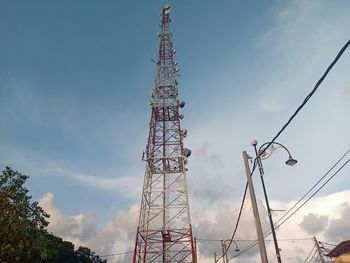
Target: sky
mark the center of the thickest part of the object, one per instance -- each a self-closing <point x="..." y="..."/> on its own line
<point x="75" y="85"/>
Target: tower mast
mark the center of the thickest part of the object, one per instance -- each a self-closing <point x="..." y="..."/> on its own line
<point x="164" y="232"/>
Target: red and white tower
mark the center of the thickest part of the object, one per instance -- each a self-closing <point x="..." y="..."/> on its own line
<point x="164" y="232"/>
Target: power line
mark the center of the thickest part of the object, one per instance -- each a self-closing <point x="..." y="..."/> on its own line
<point x="314" y="193"/>
<point x="315" y="254"/>
<point x="246" y="249"/>
<point x="276" y="227"/>
<point x="340" y="53"/>
<point x="312" y="250"/>
<point x="248" y="240"/>
<point x="237" y="221"/>
<point x="322" y="242"/>
<point x="308" y="96"/>
<point x="117" y="254"/>
<point x="240" y="212"/>
<point x="312" y="187"/>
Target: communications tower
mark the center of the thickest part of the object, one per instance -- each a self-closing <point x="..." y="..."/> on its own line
<point x="164" y="232"/>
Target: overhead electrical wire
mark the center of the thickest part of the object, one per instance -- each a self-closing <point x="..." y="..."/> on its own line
<point x="314" y="193"/>
<point x="200" y="240"/>
<point x="315" y="254"/>
<point x="290" y="209"/>
<point x="308" y="256"/>
<point x="246" y="249"/>
<point x="117" y="254"/>
<point x="340" y="53"/>
<point x="312" y="250"/>
<point x="262" y="152"/>
<point x="240" y="212"/>
<point x="237" y="222"/>
<point x="329" y="244"/>
<point x="300" y="206"/>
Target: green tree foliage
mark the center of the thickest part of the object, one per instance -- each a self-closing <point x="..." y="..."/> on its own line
<point x="85" y="255"/>
<point x="23" y="235"/>
<point x="58" y="251"/>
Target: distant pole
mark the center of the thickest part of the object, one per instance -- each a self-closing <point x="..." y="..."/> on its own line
<point x="319" y="250"/>
<point x="195" y="250"/>
<point x="259" y="232"/>
<point x="223" y="251"/>
<point x="226" y="250"/>
<point x="215" y="260"/>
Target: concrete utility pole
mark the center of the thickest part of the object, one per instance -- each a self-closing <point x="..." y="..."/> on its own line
<point x="319" y="250"/>
<point x="259" y="232"/>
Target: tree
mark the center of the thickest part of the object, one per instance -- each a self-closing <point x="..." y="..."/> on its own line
<point x="23" y="234"/>
<point x="58" y="250"/>
<point x="22" y="231"/>
<point x="85" y="255"/>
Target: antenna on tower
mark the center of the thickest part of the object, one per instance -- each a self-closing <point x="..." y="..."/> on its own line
<point x="166" y="9"/>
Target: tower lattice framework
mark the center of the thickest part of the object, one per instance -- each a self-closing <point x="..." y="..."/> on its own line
<point x="164" y="232"/>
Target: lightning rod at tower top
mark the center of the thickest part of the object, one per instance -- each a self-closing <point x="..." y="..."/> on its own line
<point x="164" y="231"/>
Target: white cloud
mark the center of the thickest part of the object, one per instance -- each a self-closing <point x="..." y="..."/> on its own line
<point x="298" y="48"/>
<point x="118" y="234"/>
<point x="124" y="182"/>
<point x="82" y="229"/>
<point x="313" y="224"/>
<point x="79" y="228"/>
<point x="331" y="206"/>
<point x="339" y="227"/>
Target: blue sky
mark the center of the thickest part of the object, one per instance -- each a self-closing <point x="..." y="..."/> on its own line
<point x="76" y="77"/>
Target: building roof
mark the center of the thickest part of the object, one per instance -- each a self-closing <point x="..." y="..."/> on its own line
<point x="342" y="259"/>
<point x="341" y="248"/>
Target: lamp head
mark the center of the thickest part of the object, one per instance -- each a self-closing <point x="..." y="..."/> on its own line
<point x="254" y="142"/>
<point x="291" y="161"/>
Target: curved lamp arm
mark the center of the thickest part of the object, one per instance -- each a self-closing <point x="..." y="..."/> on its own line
<point x="266" y="153"/>
<point x="231" y="240"/>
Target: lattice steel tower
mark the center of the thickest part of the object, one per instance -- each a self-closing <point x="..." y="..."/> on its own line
<point x="164" y="232"/>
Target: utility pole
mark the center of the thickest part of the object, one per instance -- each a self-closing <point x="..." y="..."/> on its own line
<point x="226" y="250"/>
<point x="195" y="250"/>
<point x="223" y="251"/>
<point x="259" y="232"/>
<point x="261" y="171"/>
<point x="319" y="250"/>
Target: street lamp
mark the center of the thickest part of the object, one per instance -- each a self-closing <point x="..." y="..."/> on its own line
<point x="263" y="154"/>
<point x="224" y="249"/>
